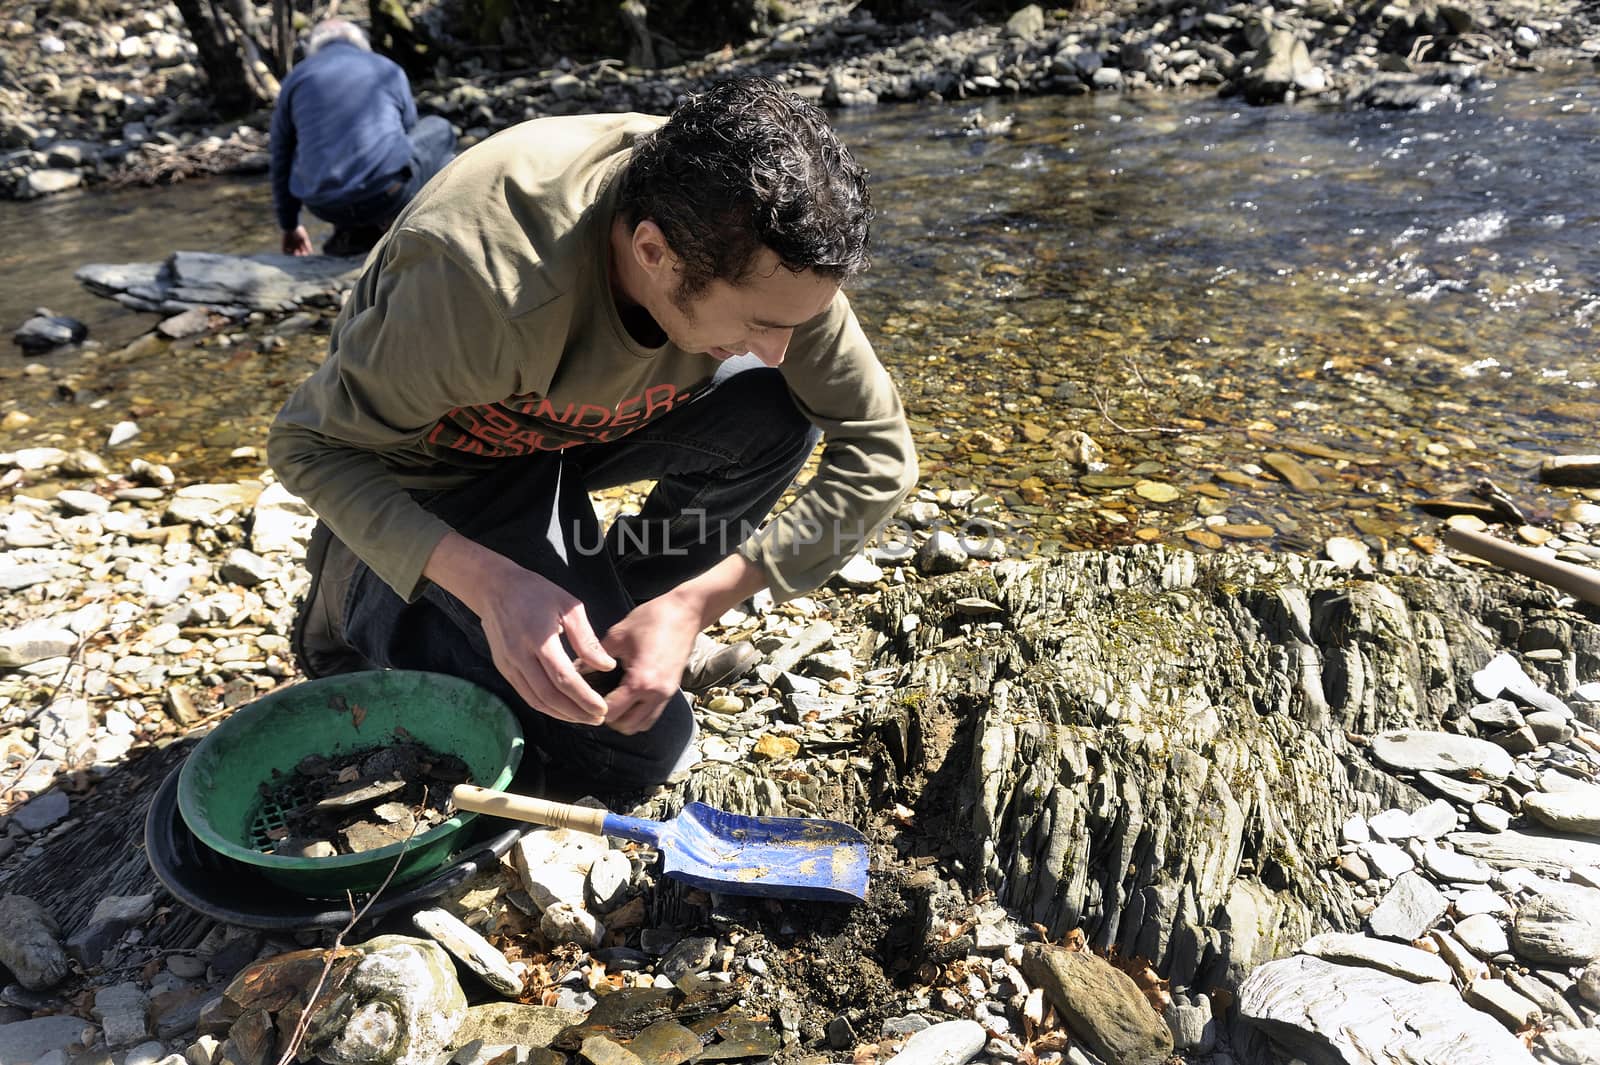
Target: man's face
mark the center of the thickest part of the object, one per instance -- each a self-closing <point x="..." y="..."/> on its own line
<point x="759" y="315"/>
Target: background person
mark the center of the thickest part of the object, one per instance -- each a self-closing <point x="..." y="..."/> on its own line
<point x="347" y="144"/>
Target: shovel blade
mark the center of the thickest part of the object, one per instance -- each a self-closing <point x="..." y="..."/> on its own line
<point x="775" y="857"/>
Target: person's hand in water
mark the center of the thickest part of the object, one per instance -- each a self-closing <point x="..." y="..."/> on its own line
<point x="296" y="241"/>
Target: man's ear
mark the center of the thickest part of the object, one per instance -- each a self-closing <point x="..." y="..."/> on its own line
<point x="651" y="251"/>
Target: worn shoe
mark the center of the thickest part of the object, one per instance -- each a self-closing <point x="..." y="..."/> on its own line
<point x="317" y="636"/>
<point x="711" y="663"/>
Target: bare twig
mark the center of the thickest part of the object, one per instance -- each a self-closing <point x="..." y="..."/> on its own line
<point x="1105" y="413"/>
<point x="1138" y="375"/>
<point x="303" y="1024"/>
<point x="66" y="675"/>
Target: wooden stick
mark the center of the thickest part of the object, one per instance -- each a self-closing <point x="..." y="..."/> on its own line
<point x="1582" y="582"/>
<point x="527" y="808"/>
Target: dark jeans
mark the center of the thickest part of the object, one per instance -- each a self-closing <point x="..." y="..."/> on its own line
<point x="433" y="145"/>
<point x="720" y="463"/>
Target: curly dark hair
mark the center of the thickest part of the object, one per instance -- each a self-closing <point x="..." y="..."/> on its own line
<point x="743" y="166"/>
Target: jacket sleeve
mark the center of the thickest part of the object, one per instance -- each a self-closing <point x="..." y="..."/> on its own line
<point x="419" y="338"/>
<point x="868" y="464"/>
<point x="407" y="102"/>
<point x="281" y="161"/>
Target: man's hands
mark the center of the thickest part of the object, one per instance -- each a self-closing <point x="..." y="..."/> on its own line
<point x="524" y="617"/>
<point x="653" y="642"/>
<point x="296" y="241"/>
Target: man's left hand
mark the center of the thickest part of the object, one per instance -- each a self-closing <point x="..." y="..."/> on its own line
<point x="653" y="644"/>
<point x="296" y="241"/>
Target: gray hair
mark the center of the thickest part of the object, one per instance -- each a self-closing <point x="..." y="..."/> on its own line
<point x="335" y="29"/>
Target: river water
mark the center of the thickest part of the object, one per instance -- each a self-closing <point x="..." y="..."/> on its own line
<point x="1399" y="303"/>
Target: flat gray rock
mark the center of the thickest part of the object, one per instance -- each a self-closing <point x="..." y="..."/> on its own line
<point x="1543" y="853"/>
<point x="1449" y="866"/>
<point x="1574" y="810"/>
<point x="1396" y="959"/>
<point x="1461" y="791"/>
<point x="42" y="811"/>
<point x="1560" y="927"/>
<point x="1483" y="934"/>
<point x="34" y="642"/>
<point x="1499" y="1000"/>
<point x="1411" y="907"/>
<point x="30" y="943"/>
<point x="1577" y="1047"/>
<point x="948" y="1043"/>
<point x="470" y="948"/>
<point x="1504" y="675"/>
<point x="1414" y="750"/>
<point x="191" y="279"/>
<point x="25" y="1042"/>
<point x="1355" y="1016"/>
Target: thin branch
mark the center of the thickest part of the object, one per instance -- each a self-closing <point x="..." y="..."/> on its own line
<point x="1105" y="413"/>
<point x="303" y="1024"/>
<point x="30" y="716"/>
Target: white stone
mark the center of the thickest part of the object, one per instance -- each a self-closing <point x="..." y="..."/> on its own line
<point x="1482" y="934"/>
<point x="1408" y="910"/>
<point x="946" y="1043"/>
<point x="34" y="642"/>
<point x="1356" y="1016"/>
<point x="1475" y="902"/>
<point x="1396" y="958"/>
<point x="1573" y="810"/>
<point x="1504" y="675"/>
<point x="860" y="572"/>
<point x="609" y="877"/>
<point x="1355" y="829"/>
<point x="121" y="433"/>
<point x="1388" y="860"/>
<point x="76" y="501"/>
<point x="565" y="923"/>
<point x="1391" y="825"/>
<point x="1447" y="865"/>
<point x="282" y="522"/>
<point x="554" y="863"/>
<point x="1496" y="998"/>
<point x="1433" y="820"/>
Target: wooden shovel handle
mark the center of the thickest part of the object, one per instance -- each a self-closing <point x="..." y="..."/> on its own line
<point x="527" y="808"/>
<point x="1580" y="582"/>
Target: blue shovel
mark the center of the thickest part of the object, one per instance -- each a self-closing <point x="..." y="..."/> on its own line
<point x="734" y="854"/>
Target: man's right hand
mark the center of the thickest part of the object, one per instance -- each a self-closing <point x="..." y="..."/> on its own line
<point x="296" y="241"/>
<point x="524" y="618"/>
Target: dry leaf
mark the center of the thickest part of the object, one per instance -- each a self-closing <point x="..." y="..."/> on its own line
<point x="777" y="747"/>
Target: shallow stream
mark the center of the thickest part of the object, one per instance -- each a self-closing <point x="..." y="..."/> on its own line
<point x="1399" y="303"/>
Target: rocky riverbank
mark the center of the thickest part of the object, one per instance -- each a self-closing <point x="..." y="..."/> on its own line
<point x="119" y="97"/>
<point x="1188" y="765"/>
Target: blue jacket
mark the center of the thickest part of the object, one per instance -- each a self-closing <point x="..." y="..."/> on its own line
<point x="339" y="130"/>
